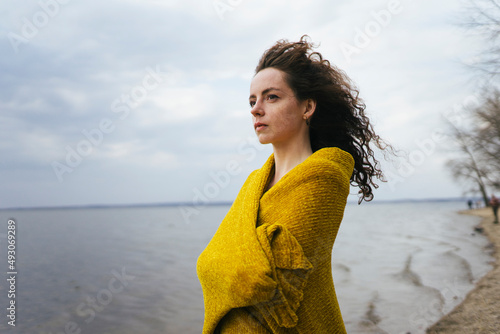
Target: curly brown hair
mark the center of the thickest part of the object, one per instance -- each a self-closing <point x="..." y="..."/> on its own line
<point x="339" y="119"/>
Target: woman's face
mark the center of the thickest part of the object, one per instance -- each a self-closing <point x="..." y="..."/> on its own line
<point x="277" y="115"/>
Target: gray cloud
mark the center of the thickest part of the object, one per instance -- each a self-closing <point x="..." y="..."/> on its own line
<point x="75" y="71"/>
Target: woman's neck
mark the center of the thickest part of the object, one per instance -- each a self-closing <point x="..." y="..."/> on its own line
<point x="287" y="157"/>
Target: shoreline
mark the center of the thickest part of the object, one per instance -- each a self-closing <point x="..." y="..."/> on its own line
<point x="479" y="312"/>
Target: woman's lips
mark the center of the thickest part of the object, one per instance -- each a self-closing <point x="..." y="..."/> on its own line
<point x="259" y="126"/>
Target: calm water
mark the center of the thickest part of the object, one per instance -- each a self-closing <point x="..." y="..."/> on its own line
<point x="398" y="268"/>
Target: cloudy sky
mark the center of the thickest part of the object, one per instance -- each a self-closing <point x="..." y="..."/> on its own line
<point x="114" y="102"/>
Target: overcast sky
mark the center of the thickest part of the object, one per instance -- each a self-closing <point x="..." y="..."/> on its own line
<point x="114" y="102"/>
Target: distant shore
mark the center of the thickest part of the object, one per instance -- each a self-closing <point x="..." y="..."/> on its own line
<point x="479" y="313"/>
<point x="197" y="202"/>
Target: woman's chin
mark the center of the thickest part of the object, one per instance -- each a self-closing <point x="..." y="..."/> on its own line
<point x="263" y="140"/>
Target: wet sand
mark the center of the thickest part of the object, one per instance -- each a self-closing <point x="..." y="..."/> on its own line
<point x="480" y="311"/>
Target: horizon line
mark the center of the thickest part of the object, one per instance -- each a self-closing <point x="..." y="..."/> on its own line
<point x="217" y="203"/>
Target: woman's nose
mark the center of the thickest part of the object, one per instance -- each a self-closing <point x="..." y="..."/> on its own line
<point x="257" y="109"/>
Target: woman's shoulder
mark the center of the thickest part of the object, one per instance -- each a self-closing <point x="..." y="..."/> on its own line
<point x="257" y="176"/>
<point x="330" y="160"/>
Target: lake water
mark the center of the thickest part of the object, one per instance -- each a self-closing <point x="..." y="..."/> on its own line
<point x="398" y="267"/>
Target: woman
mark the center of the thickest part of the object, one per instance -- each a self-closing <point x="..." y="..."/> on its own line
<point x="267" y="269"/>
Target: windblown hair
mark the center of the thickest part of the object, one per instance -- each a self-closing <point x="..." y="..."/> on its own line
<point x="339" y="119"/>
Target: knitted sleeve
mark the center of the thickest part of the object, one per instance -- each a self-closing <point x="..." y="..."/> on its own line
<point x="290" y="270"/>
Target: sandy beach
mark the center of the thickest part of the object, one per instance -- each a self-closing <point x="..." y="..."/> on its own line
<point x="479" y="313"/>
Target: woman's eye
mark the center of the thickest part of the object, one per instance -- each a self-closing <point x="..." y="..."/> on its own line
<point x="252" y="103"/>
<point x="272" y="97"/>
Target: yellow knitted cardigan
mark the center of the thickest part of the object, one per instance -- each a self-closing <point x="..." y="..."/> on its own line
<point x="267" y="269"/>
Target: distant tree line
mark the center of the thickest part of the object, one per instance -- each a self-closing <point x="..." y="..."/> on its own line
<point x="475" y="135"/>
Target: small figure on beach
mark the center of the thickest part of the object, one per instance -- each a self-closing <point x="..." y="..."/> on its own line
<point x="495" y="203"/>
<point x="470" y="203"/>
<point x="268" y="267"/>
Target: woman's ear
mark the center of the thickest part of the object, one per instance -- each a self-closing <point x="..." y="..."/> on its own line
<point x="310" y="108"/>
